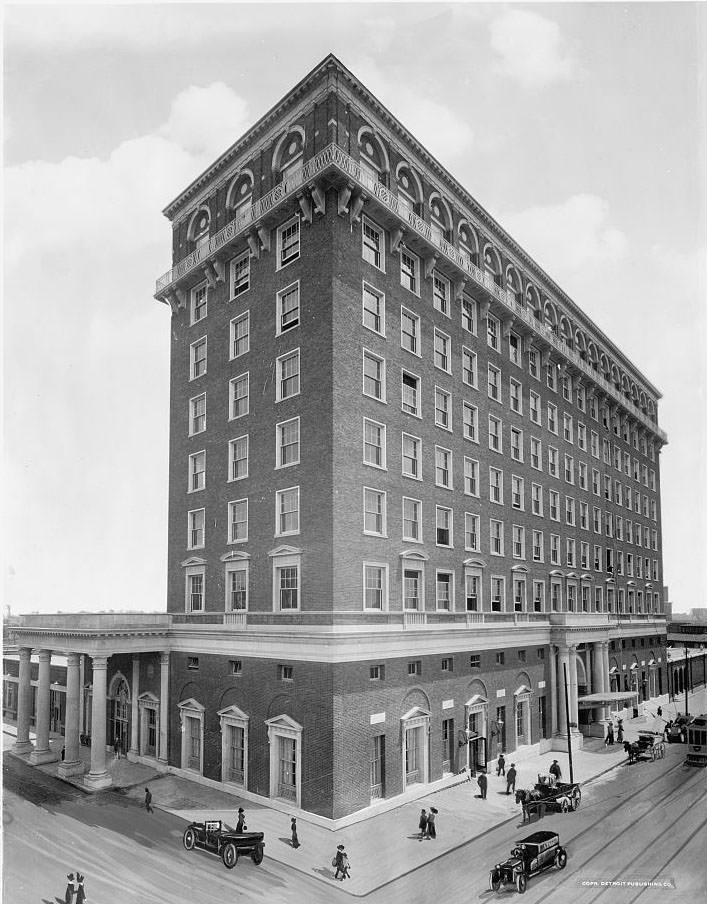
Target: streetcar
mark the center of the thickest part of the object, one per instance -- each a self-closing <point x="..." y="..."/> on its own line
<point x="697" y="742"/>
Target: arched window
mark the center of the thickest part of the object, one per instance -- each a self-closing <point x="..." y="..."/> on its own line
<point x="239" y="199"/>
<point x="532" y="299"/>
<point x="468" y="243"/>
<point x="372" y="157"/>
<point x="440" y="219"/>
<point x="566" y="331"/>
<point x="580" y="343"/>
<point x="409" y="190"/>
<point x="550" y="317"/>
<point x="492" y="264"/>
<point x="288" y="154"/>
<point x="199" y="228"/>
<point x="513" y="285"/>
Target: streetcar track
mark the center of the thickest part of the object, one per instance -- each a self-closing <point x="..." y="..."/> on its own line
<point x="670" y="859"/>
<point x="664" y="831"/>
<point x="674" y="791"/>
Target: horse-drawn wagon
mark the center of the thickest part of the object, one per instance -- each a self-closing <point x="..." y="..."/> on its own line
<point x="547" y="794"/>
<point x="649" y="746"/>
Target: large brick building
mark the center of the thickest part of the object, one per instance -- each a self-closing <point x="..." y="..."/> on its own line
<point x="411" y="483"/>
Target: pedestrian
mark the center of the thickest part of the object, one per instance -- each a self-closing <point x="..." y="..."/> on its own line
<point x="422" y="824"/>
<point x="63" y="753"/>
<point x="116" y="748"/>
<point x="148" y="801"/>
<point x="511" y="779"/>
<point x="482" y="782"/>
<point x="240" y="825"/>
<point x="340" y="861"/>
<point x="501" y="765"/>
<point x="555" y="770"/>
<point x="80" y="891"/>
<point x="345" y="866"/>
<point x="293" y="827"/>
<point x="620" y="731"/>
<point x="431" y="825"/>
<point x="70" y="888"/>
<point x="660" y="711"/>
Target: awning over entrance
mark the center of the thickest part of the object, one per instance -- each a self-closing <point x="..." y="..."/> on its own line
<point x="606" y="698"/>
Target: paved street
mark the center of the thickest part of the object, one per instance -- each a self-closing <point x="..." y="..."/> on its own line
<point x="645" y="821"/>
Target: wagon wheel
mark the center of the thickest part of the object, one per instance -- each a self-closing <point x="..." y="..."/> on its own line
<point x="230" y="855"/>
<point x="189" y="839"/>
<point x="494" y="880"/>
<point x="521" y="883"/>
<point x="561" y="859"/>
<point x="257" y="856"/>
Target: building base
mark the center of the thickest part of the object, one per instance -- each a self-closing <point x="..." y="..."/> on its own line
<point x="22" y="747"/>
<point x="97" y="781"/>
<point x="67" y="770"/>
<point x="559" y="742"/>
<point x="39" y="757"/>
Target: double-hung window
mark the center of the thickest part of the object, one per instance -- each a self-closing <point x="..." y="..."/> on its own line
<point x="471" y="476"/>
<point x="375" y="587"/>
<point x="496" y="485"/>
<point x="443" y="351"/>
<point x="552" y="417"/>
<point x="197" y="471"/>
<point x="238" y="458"/>
<point x="373" y="249"/>
<point x="493" y="332"/>
<point x="197" y="414"/>
<point x="444" y="526"/>
<point x="409" y="270"/>
<point x="516" y="396"/>
<point x="534" y="401"/>
<point x="288" y="308"/>
<point x="495" y="434"/>
<point x="374" y="443"/>
<point x="516" y="444"/>
<point x="471" y="532"/>
<point x="412" y="524"/>
<point x="440" y="293"/>
<point x="538" y="546"/>
<point x="373" y="376"/>
<point x="536" y="453"/>
<point x="536" y="494"/>
<point x="240" y="335"/>
<point x="197" y="358"/>
<point x="410" y="394"/>
<point x="469" y="368"/>
<point x="287" y="434"/>
<point x="443" y="468"/>
<point x="373" y="309"/>
<point x="198" y="303"/>
<point x="238" y="521"/>
<point x="374" y="512"/>
<point x="470" y="416"/>
<point x="409" y="331"/>
<point x="494" y="383"/>
<point x="288" y="375"/>
<point x="240" y="274"/>
<point x="518" y="541"/>
<point x="443" y="408"/>
<point x="412" y="456"/>
<point x="287" y="511"/>
<point x="469" y="315"/>
<point x="518" y="492"/>
<point x="496" y="536"/>
<point x="239" y="396"/>
<point x="288" y="236"/>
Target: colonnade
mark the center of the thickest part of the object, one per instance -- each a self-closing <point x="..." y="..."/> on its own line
<point x="98" y="775"/>
<point x="563" y="662"/>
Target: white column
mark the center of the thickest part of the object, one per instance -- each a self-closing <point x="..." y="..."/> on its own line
<point x="72" y="764"/>
<point x="598" y="676"/>
<point x="42" y="752"/>
<point x="82" y="681"/>
<point x="553" y="691"/>
<point x="134" y="713"/>
<point x="605" y="670"/>
<point x="98" y="777"/>
<point x="573" y="685"/>
<point x="564" y="661"/>
<point x="24" y="702"/>
<point x="164" y="709"/>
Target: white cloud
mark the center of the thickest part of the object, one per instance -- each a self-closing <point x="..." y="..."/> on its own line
<point x="563" y="237"/>
<point x="531" y="49"/>
<point x="206" y="120"/>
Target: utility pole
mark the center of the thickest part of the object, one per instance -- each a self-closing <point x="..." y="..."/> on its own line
<point x="687" y="678"/>
<point x="569" y="730"/>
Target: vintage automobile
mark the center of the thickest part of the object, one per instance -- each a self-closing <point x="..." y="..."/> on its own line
<point x="530" y="856"/>
<point x="226" y="843"/>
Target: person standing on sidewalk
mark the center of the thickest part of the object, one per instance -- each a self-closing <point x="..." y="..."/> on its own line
<point x="511" y="779"/>
<point x="431" y="826"/>
<point x="240" y="825"/>
<point x="293" y="827"/>
<point x="422" y="824"/>
<point x="80" y="891"/>
<point x="555" y="770"/>
<point x="70" y="889"/>
<point x="339" y="861"/>
<point x="148" y="801"/>
<point x="501" y="765"/>
<point x="482" y="782"/>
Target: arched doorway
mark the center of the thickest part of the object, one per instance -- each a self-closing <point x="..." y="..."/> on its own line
<point x="119" y="696"/>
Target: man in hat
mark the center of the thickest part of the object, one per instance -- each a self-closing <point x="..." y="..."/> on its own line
<point x="339" y="861"/>
<point x="240" y="825"/>
<point x="501" y="765"/>
<point x="70" y="888"/>
<point x="431" y="827"/>
<point x="555" y="771"/>
<point x="422" y="824"/>
<point x="511" y="779"/>
<point x="482" y="782"/>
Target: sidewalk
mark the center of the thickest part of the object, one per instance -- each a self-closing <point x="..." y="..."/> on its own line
<point x="462" y="815"/>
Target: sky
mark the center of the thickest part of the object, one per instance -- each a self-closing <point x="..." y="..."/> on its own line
<point x="576" y="125"/>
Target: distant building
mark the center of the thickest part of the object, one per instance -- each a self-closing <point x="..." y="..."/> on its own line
<point x="411" y="483"/>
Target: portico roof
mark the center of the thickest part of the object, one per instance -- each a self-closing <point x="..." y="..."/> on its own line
<point x="605" y="698"/>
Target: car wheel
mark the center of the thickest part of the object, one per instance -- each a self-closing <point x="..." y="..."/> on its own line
<point x="257" y="856"/>
<point x="230" y="856"/>
<point x="189" y="839"/>
<point x="494" y="880"/>
<point x="521" y="883"/>
<point x="561" y="859"/>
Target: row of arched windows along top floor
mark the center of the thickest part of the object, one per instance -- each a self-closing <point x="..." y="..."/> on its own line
<point x="429" y="204"/>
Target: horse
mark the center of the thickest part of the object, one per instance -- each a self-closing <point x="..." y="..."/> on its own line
<point x="530" y="799"/>
<point x="564" y="803"/>
<point x="632" y="751"/>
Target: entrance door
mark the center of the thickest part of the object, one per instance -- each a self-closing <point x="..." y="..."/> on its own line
<point x="236" y="754"/>
<point x="413" y="755"/>
<point x="287" y="768"/>
<point x="120" y="721"/>
<point x="150" y="732"/>
<point x="447" y="745"/>
<point x="193" y="728"/>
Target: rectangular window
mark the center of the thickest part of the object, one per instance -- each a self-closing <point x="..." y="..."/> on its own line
<point x="581" y="398"/>
<point x="534" y="407"/>
<point x="374" y="512"/>
<point x="495" y="434"/>
<point x="411" y="456"/>
<point x="373" y="309"/>
<point x="288" y="375"/>
<point x="582" y="476"/>
<point x="516" y="396"/>
<point x="443" y="409"/>
<point x="536" y="453"/>
<point x="570" y="549"/>
<point x="415" y="668"/>
<point x="447" y="666"/>
<point x="287" y="434"/>
<point x="240" y="274"/>
<point x="443" y="351"/>
<point x="409" y="270"/>
<point x="197" y="358"/>
<point x="537" y="499"/>
<point x="514" y="348"/>
<point x="377" y="673"/>
<point x="471" y="532"/>
<point x="596" y="482"/>
<point x="288" y="242"/>
<point x="198" y="303"/>
<point x="568" y="428"/>
<point x="374" y="445"/>
<point x="569" y="469"/>
<point x="197" y="471"/>
<point x="552" y="418"/>
<point x="409" y="331"/>
<point x="496" y="536"/>
<point x="470" y="416"/>
<point x="552" y="461"/>
<point x="444" y="526"/>
<point x="594" y="444"/>
<point x="584" y="515"/>
<point x="239" y="396"/>
<point x="238" y="521"/>
<point x="469" y="316"/>
<point x="443" y="468"/>
<point x="498" y="604"/>
<point x="493" y="332"/>
<point x="471" y="476"/>
<point x="412" y="589"/>
<point x="445" y="595"/>
<point x="240" y="335"/>
<point x="567" y="389"/>
<point x="538" y="546"/>
<point x="496" y="485"/>
<point x="472" y="591"/>
<point x="533" y="365"/>
<point x="373" y="249"/>
<point x="475" y="661"/>
<point x="410" y="394"/>
<point x="518" y="492"/>
<point x="584" y="556"/>
<point x="469" y="368"/>
<point x="195" y="529"/>
<point x="237" y="589"/>
<point x="554" y="549"/>
<point x="552" y="376"/>
<point x="197" y="414"/>
<point x="285" y="673"/>
<point x="373" y="376"/>
<point x="375" y="587"/>
<point x="516" y="444"/>
<point x="287" y="587"/>
<point x="582" y="436"/>
<point x="238" y="458"/>
<point x="412" y="529"/>
<point x="518" y="541"/>
<point x="288" y="311"/>
<point x="539" y="602"/>
<point x="440" y="293"/>
<point x="554" y="505"/>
